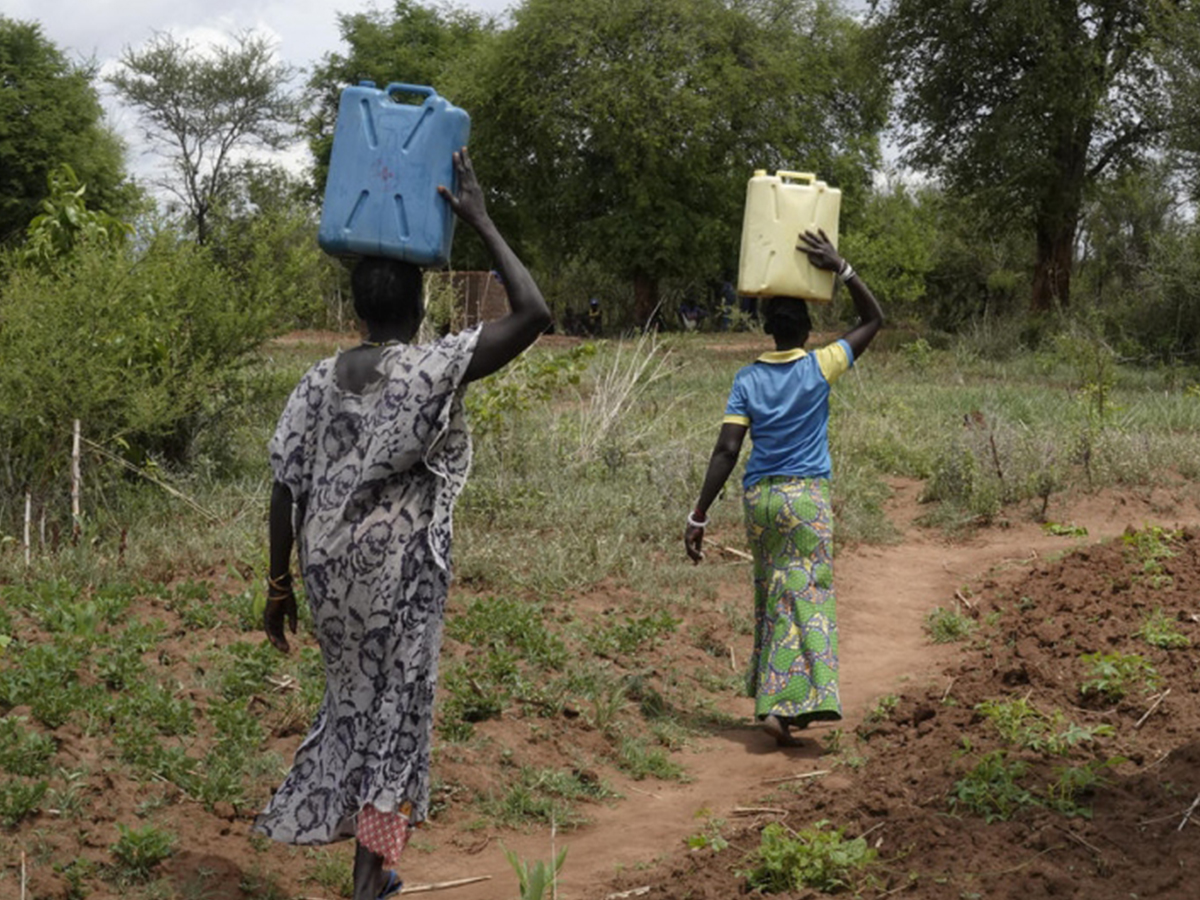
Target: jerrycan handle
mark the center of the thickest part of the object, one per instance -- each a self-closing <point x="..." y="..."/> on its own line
<point x="399" y="87"/>
<point x="796" y="176"/>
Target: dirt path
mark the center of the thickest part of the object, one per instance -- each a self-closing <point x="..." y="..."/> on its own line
<point x="884" y="594"/>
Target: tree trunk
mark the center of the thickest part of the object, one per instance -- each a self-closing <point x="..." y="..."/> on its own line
<point x="645" y="299"/>
<point x="1052" y="271"/>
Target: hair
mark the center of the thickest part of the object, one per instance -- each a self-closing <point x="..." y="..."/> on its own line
<point x="787" y="318"/>
<point x="387" y="291"/>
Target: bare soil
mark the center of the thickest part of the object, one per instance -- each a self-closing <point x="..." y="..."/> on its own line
<point x="1040" y="600"/>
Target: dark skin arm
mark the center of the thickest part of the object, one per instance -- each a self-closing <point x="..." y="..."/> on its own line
<point x="503" y="340"/>
<point x="281" y="599"/>
<point x="870" y="316"/>
<point x="720" y="464"/>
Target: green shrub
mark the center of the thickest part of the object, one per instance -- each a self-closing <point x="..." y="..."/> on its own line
<point x="138" y="850"/>
<point x="945" y="626"/>
<point x="1114" y="675"/>
<point x="24" y="752"/>
<point x="991" y="788"/>
<point x="1159" y="630"/>
<point x="787" y="860"/>
<point x="19" y="799"/>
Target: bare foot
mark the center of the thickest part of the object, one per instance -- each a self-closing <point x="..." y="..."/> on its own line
<point x="776" y="729"/>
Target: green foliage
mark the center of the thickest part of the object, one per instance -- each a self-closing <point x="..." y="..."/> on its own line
<point x="814" y="857"/>
<point x="138" y="850"/>
<point x="144" y="348"/>
<point x="1115" y="675"/>
<point x="544" y="796"/>
<point x="632" y="633"/>
<point x="945" y="626"/>
<point x="50" y="116"/>
<point x="22" y="751"/>
<point x="639" y="761"/>
<point x="883" y="708"/>
<point x="534" y="879"/>
<point x="1159" y="630"/>
<point x="992" y="102"/>
<point x="580" y="95"/>
<point x="1021" y="724"/>
<point x="19" y="798"/>
<point x="711" y="837"/>
<point x="198" y="104"/>
<point x="65" y="222"/>
<point x="529" y="380"/>
<point x="1075" y="783"/>
<point x="991" y="789"/>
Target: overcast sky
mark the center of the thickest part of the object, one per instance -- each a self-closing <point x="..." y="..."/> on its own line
<point x="303" y="30"/>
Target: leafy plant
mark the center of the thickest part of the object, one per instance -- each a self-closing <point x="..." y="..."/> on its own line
<point x="535" y="878"/>
<point x="1114" y="675"/>
<point x="710" y="838"/>
<point x="1074" y="783"/>
<point x="19" y="799"/>
<point x="22" y="751"/>
<point x="991" y="788"/>
<point x="139" y="850"/>
<point x="1159" y="630"/>
<point x="945" y="626"/>
<point x="1021" y="724"/>
<point x="788" y="860"/>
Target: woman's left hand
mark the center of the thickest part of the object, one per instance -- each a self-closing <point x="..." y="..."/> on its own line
<point x="281" y="608"/>
<point x="820" y="250"/>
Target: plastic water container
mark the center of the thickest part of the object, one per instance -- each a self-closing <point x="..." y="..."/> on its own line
<point x="779" y="208"/>
<point x="388" y="158"/>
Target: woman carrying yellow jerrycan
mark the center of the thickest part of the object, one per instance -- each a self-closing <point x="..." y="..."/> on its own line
<point x="782" y="399"/>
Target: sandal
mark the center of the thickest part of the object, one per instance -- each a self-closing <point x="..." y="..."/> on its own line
<point x="391" y="886"/>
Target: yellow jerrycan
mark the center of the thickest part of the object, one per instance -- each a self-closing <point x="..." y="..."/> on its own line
<point x="778" y="208"/>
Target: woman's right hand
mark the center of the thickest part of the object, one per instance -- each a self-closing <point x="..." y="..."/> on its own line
<point x="693" y="541"/>
<point x="469" y="205"/>
<point x="820" y="251"/>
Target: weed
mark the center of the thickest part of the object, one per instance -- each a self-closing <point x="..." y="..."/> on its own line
<point x="945" y="626"/>
<point x="502" y="623"/>
<point x="1022" y="725"/>
<point x="138" y="850"/>
<point x="632" y="634"/>
<point x="883" y="709"/>
<point x="639" y="761"/>
<point x="330" y="871"/>
<point x="1114" y="675"/>
<point x="1159" y="630"/>
<point x="19" y="799"/>
<point x="534" y="879"/>
<point x="991" y="790"/>
<point x="814" y="857"/>
<point x="545" y="796"/>
<point x="1074" y="783"/>
<point x="710" y="838"/>
<point x="24" y="752"/>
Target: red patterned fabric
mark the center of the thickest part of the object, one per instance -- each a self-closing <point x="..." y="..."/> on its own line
<point x="384" y="834"/>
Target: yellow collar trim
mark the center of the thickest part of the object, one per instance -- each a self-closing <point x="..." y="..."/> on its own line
<point x="783" y="356"/>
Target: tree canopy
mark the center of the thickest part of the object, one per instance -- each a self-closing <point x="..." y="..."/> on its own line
<point x="628" y="128"/>
<point x="199" y="107"/>
<point x="50" y="114"/>
<point x="1028" y="106"/>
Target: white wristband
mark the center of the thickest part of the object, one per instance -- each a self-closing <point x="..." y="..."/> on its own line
<point x="846" y="272"/>
<point x="695" y="524"/>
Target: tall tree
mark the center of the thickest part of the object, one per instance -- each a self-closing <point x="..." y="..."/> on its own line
<point x="410" y="43"/>
<point x="1027" y="106"/>
<point x="50" y="114"/>
<point x="200" y="106"/>
<point x="626" y="129"/>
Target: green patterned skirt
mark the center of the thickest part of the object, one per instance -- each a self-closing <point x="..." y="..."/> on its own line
<point x="794" y="668"/>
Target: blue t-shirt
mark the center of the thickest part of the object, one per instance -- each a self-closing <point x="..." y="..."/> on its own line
<point x="783" y="397"/>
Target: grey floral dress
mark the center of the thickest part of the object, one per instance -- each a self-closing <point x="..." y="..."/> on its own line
<point x="374" y="476"/>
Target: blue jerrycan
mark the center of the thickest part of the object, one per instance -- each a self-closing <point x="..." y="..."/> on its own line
<point x="388" y="159"/>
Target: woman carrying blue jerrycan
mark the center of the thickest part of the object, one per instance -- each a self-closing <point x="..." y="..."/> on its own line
<point x="368" y="458"/>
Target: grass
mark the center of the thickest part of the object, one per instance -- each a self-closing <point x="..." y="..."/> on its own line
<point x="585" y="462"/>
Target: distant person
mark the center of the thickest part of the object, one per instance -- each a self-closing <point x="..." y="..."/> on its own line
<point x="729" y="302"/>
<point x="691" y="315"/>
<point x="782" y="399"/>
<point x="369" y="455"/>
<point x="593" y="317"/>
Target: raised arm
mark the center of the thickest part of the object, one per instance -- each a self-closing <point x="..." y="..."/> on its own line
<point x="870" y="316"/>
<point x="503" y="340"/>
